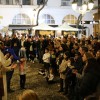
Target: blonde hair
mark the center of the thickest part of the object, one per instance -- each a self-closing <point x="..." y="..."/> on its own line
<point x="28" y="95"/>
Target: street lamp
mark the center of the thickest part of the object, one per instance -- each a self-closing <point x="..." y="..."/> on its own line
<point x="83" y="9"/>
<point x="86" y="6"/>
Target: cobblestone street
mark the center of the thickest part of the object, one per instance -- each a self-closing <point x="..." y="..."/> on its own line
<point x="37" y="83"/>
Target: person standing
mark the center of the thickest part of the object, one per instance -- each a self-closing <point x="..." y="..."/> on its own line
<point x="46" y="60"/>
<point x="3" y="69"/>
<point x="22" y="72"/>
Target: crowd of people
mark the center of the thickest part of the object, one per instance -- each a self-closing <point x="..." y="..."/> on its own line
<point x="75" y="61"/>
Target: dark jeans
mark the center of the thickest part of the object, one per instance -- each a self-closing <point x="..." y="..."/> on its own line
<point x="0" y="97"/>
<point x="61" y="84"/>
<point x="9" y="76"/>
<point x="27" y="53"/>
<point x="32" y="55"/>
<point x="22" y="81"/>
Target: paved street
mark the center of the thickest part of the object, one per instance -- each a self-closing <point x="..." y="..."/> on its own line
<point x="37" y="83"/>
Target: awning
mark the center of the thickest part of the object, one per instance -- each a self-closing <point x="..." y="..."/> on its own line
<point x="20" y="27"/>
<point x="66" y="27"/>
<point x="43" y="26"/>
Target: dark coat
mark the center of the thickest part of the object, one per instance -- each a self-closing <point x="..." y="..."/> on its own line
<point x="90" y="79"/>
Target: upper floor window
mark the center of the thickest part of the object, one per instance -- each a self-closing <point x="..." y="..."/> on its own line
<point x="26" y="2"/>
<point x="65" y="2"/>
<point x="39" y="2"/>
<point x="16" y="2"/>
<point x="70" y="19"/>
<point x="9" y="2"/>
<point x="22" y="19"/>
<point x="48" y="19"/>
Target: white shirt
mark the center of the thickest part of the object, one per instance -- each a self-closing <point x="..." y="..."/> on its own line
<point x="46" y="57"/>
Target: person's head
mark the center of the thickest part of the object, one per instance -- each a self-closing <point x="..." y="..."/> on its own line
<point x="60" y="48"/>
<point x="82" y="50"/>
<point x="28" y="95"/>
<point x="87" y="56"/>
<point x="70" y="61"/>
<point x="7" y="55"/>
<point x="64" y="39"/>
<point x="77" y="55"/>
<point x="22" y="59"/>
<point x="95" y="40"/>
<point x="46" y="50"/>
<point x="52" y="51"/>
<point x="66" y="55"/>
<point x="76" y="46"/>
<point x="98" y="54"/>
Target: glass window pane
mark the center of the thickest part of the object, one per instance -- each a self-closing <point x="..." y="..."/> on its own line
<point x="21" y="19"/>
<point x="17" y="2"/>
<point x="14" y="21"/>
<point x="75" y="21"/>
<point x="18" y="16"/>
<point x="52" y="22"/>
<point x="48" y="16"/>
<point x="70" y="19"/>
<point x="48" y="19"/>
<point x="18" y="21"/>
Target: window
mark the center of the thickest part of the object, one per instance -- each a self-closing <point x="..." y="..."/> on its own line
<point x="79" y="2"/>
<point x="9" y="2"/>
<point x="21" y="19"/>
<point x="66" y="2"/>
<point x="26" y="2"/>
<point x="17" y="2"/>
<point x="39" y="2"/>
<point x="70" y="19"/>
<point x="48" y="19"/>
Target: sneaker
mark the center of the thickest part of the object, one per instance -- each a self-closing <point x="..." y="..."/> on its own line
<point x="33" y="62"/>
<point x="42" y="73"/>
<point x="51" y="77"/>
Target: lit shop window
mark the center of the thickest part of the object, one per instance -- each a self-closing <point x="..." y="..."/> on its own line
<point x="21" y="19"/>
<point x="48" y="19"/>
<point x="70" y="19"/>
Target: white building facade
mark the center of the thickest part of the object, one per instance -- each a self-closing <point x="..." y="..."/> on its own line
<point x="56" y="12"/>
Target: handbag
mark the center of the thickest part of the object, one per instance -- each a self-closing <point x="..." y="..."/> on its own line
<point x="1" y="85"/>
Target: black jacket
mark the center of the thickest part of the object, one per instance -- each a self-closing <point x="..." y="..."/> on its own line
<point x="90" y="79"/>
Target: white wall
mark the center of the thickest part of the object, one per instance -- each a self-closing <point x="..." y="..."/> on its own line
<point x="54" y="3"/>
<point x="9" y="13"/>
<point x="53" y="8"/>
